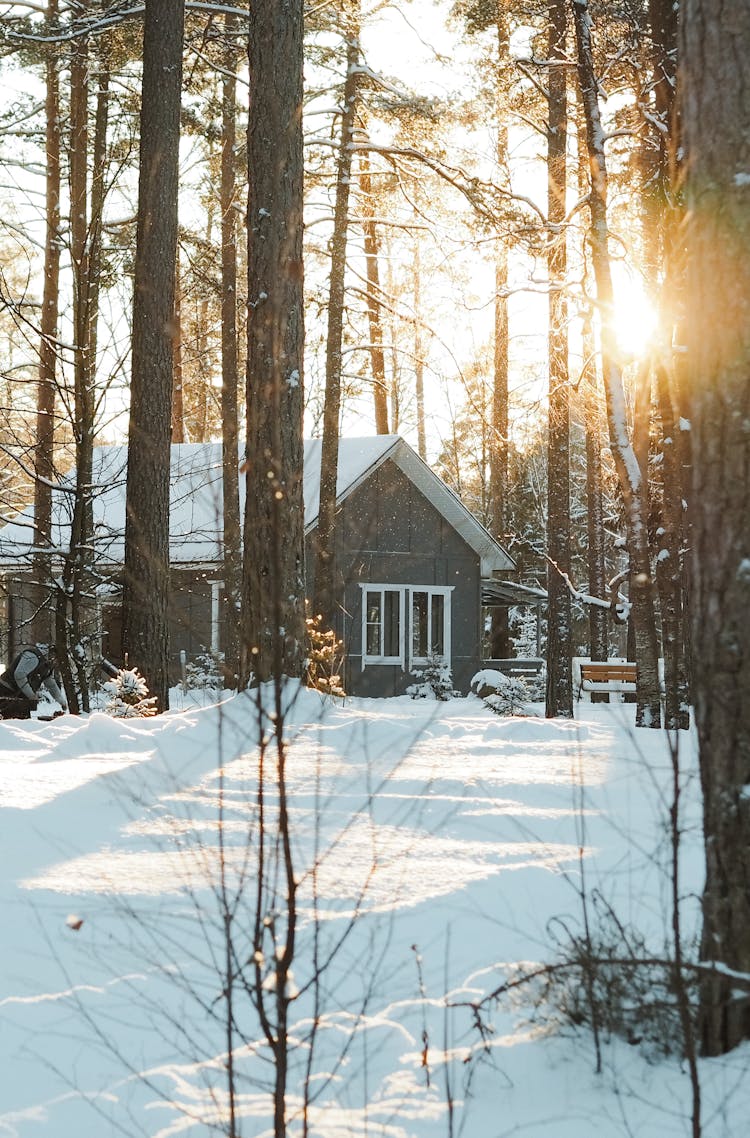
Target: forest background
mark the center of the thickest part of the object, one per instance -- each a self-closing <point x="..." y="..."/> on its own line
<point x="429" y="254"/>
<point x="427" y="250"/>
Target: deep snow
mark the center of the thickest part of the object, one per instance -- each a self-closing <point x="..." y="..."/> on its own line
<point x="445" y="845"/>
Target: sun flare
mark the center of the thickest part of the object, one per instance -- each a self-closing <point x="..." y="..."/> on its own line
<point x="635" y="318"/>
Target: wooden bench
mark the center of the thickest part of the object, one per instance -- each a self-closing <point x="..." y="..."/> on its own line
<point x="608" y="676"/>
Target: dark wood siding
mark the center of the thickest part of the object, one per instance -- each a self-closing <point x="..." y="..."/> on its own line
<point x="189" y="616"/>
<point x="389" y="533"/>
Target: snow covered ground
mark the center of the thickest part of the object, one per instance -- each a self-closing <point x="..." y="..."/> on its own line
<point x="437" y="845"/>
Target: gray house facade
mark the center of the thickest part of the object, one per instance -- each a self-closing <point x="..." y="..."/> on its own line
<point x="410" y="562"/>
<point x="409" y="568"/>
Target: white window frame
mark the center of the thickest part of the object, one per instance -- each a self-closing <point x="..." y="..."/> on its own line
<point x="443" y="591"/>
<point x="383" y="589"/>
<point x="405" y="593"/>
<point x="216" y="587"/>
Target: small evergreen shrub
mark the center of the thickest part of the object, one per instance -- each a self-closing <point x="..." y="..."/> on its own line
<point x="505" y="695"/>
<point x="324" y="658"/>
<point x="128" y="696"/>
<point x="536" y="687"/>
<point x="205" y="672"/>
<point x="434" y="681"/>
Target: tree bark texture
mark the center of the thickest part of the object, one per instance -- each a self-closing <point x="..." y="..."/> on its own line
<point x="325" y="587"/>
<point x="232" y="544"/>
<point x="71" y="597"/>
<point x="146" y="584"/>
<point x="87" y="157"/>
<point x="273" y="556"/>
<point x="374" y="297"/>
<point x="598" y="640"/>
<point x="559" y="632"/>
<point x="669" y="556"/>
<point x="44" y="466"/>
<point x="662" y="216"/>
<point x="419" y="352"/>
<point x="715" y="81"/>
<point x="179" y="434"/>
<point x="500" y="646"/>
<point x="648" y="710"/>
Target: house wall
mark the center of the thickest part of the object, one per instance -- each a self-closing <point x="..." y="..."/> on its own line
<point x="190" y="618"/>
<point x="389" y="533"/>
<point x="19" y="614"/>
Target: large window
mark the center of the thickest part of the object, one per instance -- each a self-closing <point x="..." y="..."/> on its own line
<point x="384" y="618"/>
<point x="405" y="624"/>
<point x="427" y="624"/>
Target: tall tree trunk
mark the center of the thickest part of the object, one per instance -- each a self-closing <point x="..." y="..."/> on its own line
<point x="499" y="646"/>
<point x="44" y="467"/>
<point x="559" y="631"/>
<point x="648" y="710"/>
<point x="716" y="123"/>
<point x="98" y="194"/>
<point x="325" y="590"/>
<point x="419" y="352"/>
<point x="179" y="435"/>
<point x="146" y="585"/>
<point x="590" y="389"/>
<point x="76" y="571"/>
<point x="662" y="217"/>
<point x="230" y="431"/>
<point x="204" y="349"/>
<point x="274" y="552"/>
<point x="669" y="568"/>
<point x="374" y="294"/>
<point x="594" y="503"/>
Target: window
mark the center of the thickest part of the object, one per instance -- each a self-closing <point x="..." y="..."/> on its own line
<point x="427" y="624"/>
<point x="383" y="613"/>
<point x="385" y="635"/>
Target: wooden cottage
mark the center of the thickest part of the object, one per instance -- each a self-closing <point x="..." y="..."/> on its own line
<point x="411" y="561"/>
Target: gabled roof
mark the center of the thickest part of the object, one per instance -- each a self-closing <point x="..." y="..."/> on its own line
<point x="196" y="504"/>
<point x="359" y="458"/>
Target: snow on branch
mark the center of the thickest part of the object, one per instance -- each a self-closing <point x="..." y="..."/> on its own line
<point x="618" y="604"/>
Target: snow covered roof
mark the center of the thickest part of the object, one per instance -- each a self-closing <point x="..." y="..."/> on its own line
<point x="196" y="501"/>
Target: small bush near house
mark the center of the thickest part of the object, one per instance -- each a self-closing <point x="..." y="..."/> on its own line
<point x="536" y="687"/>
<point x="434" y="681"/>
<point x="324" y="659"/>
<point x="505" y="695"/>
<point x="205" y="672"/>
<point x="128" y="696"/>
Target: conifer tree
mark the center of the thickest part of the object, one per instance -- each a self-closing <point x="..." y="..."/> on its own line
<point x="273" y="556"/>
<point x="146" y="584"/>
<point x="716" y="122"/>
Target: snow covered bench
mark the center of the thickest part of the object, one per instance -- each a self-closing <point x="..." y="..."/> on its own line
<point x="607" y="676"/>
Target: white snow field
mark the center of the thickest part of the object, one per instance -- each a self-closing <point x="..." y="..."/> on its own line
<point x="436" y="846"/>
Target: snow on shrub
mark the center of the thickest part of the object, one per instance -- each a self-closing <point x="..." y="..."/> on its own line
<point x="434" y="681"/>
<point x="505" y="695"/>
<point x="205" y="672"/>
<point x="324" y="658"/>
<point x="128" y="696"/>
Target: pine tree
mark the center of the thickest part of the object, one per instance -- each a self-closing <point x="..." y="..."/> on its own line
<point x="716" y="122"/>
<point x="146" y="584"/>
<point x="273" y="557"/>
